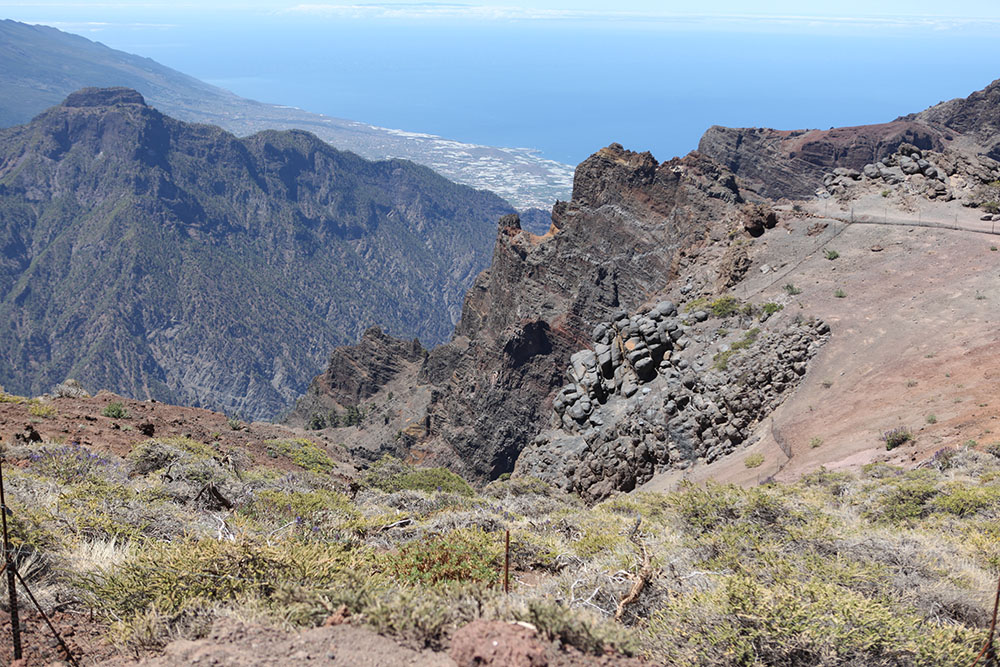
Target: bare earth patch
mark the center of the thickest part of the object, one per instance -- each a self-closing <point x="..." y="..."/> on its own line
<point x="913" y="312"/>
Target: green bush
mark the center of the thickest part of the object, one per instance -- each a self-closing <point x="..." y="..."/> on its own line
<point x="391" y="475"/>
<point x="170" y="577"/>
<point x="725" y="306"/>
<point x="571" y="627"/>
<point x="831" y="254"/>
<point x="462" y="556"/>
<point x="896" y="437"/>
<point x="308" y="509"/>
<point x="304" y="453"/>
<point x="746" y="622"/>
<point x="905" y="500"/>
<point x="771" y="307"/>
<point x="963" y="499"/>
<point x="43" y="410"/>
<point x="115" y="410"/>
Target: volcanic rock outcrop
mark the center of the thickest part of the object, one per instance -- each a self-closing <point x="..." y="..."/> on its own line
<point x="974" y="120"/>
<point x="792" y="164"/>
<point x="656" y="392"/>
<point x="611" y="249"/>
<point x="972" y="179"/>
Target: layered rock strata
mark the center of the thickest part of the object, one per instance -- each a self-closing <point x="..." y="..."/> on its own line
<point x="792" y="164"/>
<point x="780" y="163"/>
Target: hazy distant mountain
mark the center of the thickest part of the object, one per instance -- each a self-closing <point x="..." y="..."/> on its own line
<point x="40" y="66"/>
<point x="163" y="259"/>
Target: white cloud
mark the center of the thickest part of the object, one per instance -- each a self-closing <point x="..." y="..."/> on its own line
<point x="514" y="13"/>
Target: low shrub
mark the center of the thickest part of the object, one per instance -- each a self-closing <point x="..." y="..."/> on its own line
<point x="461" y="556"/>
<point x="896" y="437"/>
<point x="392" y="475"/>
<point x="116" y="410"/>
<point x="746" y="622"/>
<point x="73" y="463"/>
<point x="583" y="631"/>
<point x="725" y="306"/>
<point x="904" y="500"/>
<point x="170" y="577"/>
<point x="43" y="410"/>
<point x="770" y="308"/>
<point x="159" y="453"/>
<point x="304" y="453"/>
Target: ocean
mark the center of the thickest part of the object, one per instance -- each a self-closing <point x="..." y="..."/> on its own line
<point x="567" y="88"/>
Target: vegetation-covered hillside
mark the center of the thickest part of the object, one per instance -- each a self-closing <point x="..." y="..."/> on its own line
<point x="883" y="567"/>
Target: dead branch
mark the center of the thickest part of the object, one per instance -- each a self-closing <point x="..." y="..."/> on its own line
<point x="641" y="577"/>
<point x="212" y="493"/>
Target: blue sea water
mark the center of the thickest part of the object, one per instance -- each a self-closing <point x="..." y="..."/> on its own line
<point x="568" y="88"/>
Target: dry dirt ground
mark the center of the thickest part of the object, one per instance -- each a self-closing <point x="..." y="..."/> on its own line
<point x="78" y="421"/>
<point x="479" y="644"/>
<point x="914" y="344"/>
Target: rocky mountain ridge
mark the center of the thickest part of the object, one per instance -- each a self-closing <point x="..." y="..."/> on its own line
<point x="40" y="66"/>
<point x="161" y="259"/>
<point x="652" y="387"/>
<point x="633" y="224"/>
<point x="792" y="164"/>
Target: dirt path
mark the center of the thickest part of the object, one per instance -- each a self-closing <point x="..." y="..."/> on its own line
<point x="914" y="344"/>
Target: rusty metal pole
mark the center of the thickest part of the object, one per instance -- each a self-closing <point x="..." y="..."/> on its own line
<point x="506" y="563"/>
<point x="15" y="626"/>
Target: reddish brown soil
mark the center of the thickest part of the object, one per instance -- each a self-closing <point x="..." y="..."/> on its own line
<point x="85" y="639"/>
<point x="916" y="335"/>
<point x="480" y="644"/>
<point x="80" y="422"/>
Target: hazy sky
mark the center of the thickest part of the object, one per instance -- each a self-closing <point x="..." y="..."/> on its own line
<point x="522" y="9"/>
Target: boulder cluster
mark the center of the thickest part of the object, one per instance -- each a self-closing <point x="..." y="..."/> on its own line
<point x="628" y="351"/>
<point x="644" y="399"/>
<point x="908" y="161"/>
<point x="941" y="176"/>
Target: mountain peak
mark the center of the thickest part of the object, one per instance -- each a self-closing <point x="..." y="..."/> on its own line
<point x="104" y="97"/>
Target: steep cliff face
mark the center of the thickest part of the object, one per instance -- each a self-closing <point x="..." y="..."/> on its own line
<point x="611" y="248"/>
<point x="778" y="163"/>
<point x="161" y="259"/>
